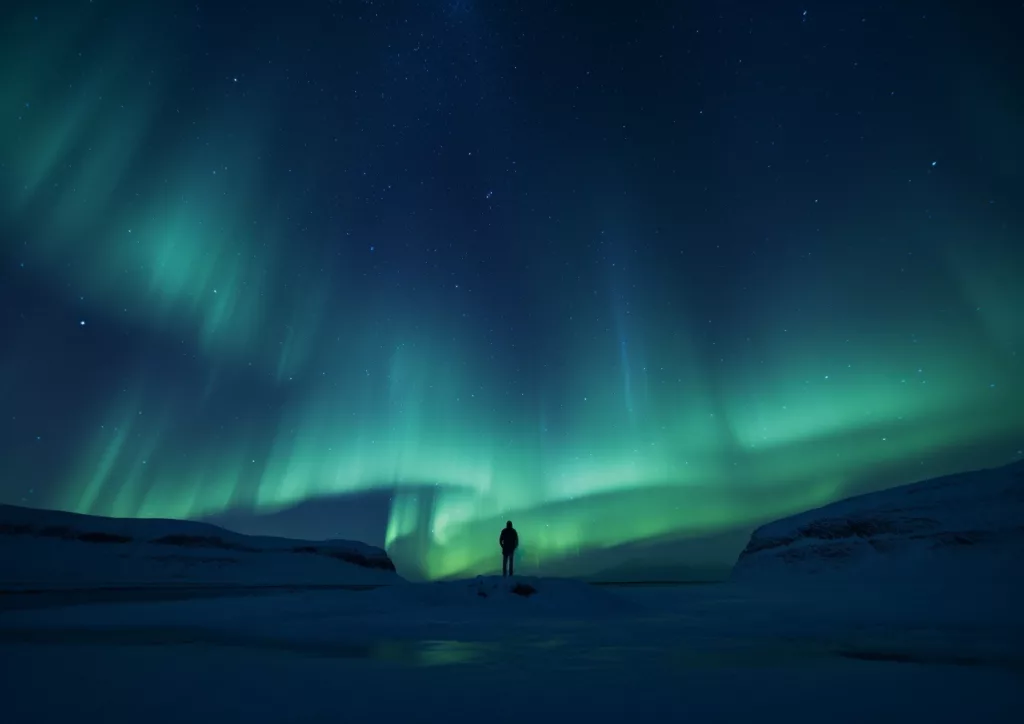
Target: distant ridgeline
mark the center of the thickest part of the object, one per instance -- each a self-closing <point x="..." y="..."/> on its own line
<point x="59" y="548"/>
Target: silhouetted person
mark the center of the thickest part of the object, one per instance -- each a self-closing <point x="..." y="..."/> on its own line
<point x="509" y="541"/>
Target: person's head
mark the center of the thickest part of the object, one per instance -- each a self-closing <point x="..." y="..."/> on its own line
<point x="508" y="523"/>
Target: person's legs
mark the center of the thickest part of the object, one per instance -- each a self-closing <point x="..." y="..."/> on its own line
<point x="504" y="564"/>
<point x="511" y="563"/>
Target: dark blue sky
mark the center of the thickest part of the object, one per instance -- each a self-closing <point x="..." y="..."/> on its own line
<point x="397" y="271"/>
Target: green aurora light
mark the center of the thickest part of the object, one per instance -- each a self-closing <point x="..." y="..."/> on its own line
<point x="641" y="416"/>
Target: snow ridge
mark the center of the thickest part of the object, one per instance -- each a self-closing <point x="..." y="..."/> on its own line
<point x="52" y="549"/>
<point x="967" y="524"/>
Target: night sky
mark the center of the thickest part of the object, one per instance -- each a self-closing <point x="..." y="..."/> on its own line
<point x="630" y="274"/>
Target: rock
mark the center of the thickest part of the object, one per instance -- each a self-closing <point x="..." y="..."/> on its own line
<point x="523" y="589"/>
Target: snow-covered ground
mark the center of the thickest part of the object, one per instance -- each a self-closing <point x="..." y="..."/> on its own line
<point x="47" y="549"/>
<point x="807" y="643"/>
<point x="569" y="651"/>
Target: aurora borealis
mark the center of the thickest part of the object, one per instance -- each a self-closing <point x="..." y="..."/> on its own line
<point x="624" y="274"/>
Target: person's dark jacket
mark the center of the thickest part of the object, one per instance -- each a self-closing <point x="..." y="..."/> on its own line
<point x="509" y="540"/>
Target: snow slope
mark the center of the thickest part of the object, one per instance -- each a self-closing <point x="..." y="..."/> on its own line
<point x="963" y="527"/>
<point x="46" y="549"/>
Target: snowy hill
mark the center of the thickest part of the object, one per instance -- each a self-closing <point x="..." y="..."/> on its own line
<point x="968" y="526"/>
<point x="46" y="549"/>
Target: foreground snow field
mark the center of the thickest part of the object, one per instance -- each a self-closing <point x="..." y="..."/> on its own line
<point x="443" y="652"/>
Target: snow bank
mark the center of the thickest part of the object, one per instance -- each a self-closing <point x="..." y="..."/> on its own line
<point x="46" y="549"/>
<point x="968" y="526"/>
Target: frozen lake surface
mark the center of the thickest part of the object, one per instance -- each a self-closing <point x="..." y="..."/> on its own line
<point x="475" y="651"/>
